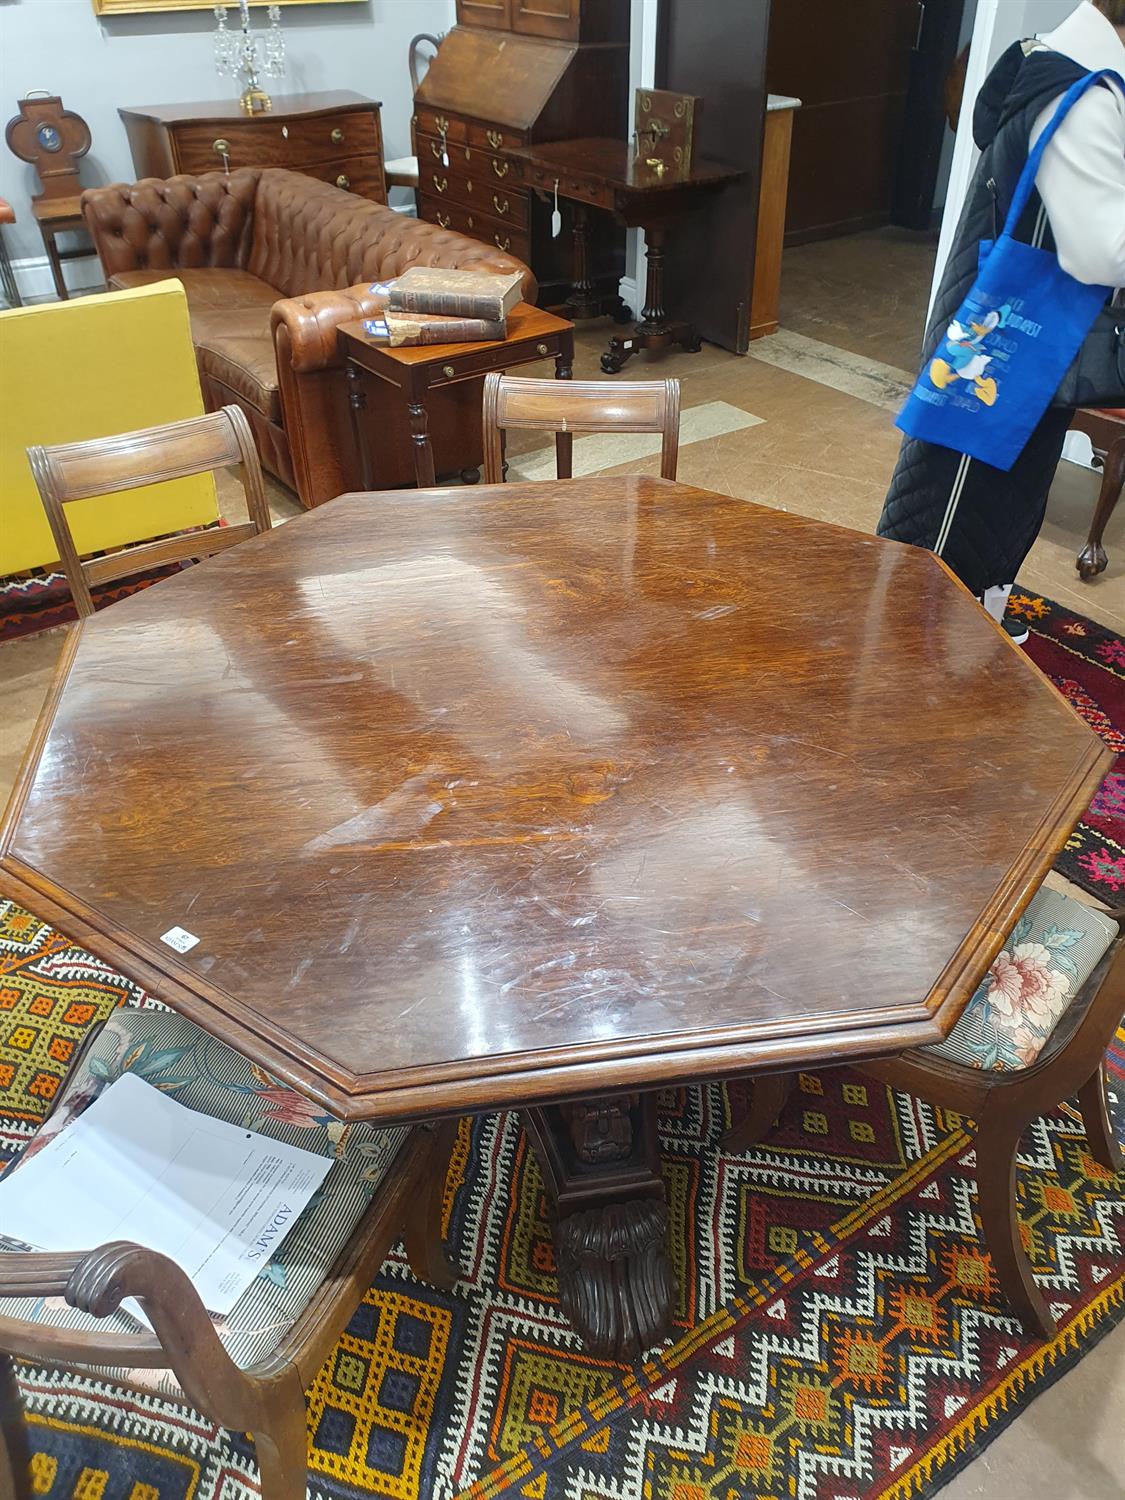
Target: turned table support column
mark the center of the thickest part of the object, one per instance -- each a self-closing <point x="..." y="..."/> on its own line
<point x="602" y="1169"/>
<point x="654" y="329"/>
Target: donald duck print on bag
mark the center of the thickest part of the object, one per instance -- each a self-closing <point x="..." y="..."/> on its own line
<point x="963" y="357"/>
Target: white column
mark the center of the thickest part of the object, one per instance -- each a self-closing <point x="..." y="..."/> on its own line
<point x="642" y="75"/>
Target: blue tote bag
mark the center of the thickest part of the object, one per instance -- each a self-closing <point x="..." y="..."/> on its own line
<point x="1014" y="337"/>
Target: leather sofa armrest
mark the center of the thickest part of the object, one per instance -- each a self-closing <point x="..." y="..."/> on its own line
<point x="166" y="223"/>
<point x="311" y="321"/>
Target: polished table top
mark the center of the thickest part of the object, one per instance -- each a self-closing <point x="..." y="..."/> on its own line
<point x="491" y="795"/>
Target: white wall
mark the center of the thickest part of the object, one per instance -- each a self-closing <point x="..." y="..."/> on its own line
<point x="998" y="24"/>
<point x="945" y="166"/>
<point x="100" y="63"/>
<point x="642" y="74"/>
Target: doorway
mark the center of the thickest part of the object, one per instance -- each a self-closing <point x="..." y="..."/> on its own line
<point x="871" y="134"/>
<point x="872" y="148"/>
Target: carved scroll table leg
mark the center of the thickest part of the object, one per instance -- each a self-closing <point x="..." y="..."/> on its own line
<point x="602" y="1170"/>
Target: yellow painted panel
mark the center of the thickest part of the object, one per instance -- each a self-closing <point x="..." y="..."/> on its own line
<point x="88" y="368"/>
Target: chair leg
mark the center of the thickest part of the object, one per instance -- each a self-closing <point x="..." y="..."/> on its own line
<point x="421" y="1233"/>
<point x="8" y="278"/>
<point x="283" y="1451"/>
<point x="768" y="1096"/>
<point x="1095" y="1116"/>
<point x="1092" y="559"/>
<point x="996" y="1147"/>
<point x="15" y="1457"/>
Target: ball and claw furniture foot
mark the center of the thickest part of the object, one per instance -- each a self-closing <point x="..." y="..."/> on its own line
<point x="1106" y="431"/>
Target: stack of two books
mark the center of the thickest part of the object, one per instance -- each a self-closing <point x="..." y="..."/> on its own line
<point x="428" y="305"/>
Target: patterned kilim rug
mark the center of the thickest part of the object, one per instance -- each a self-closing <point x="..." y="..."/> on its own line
<point x="840" y="1336"/>
<point x="1086" y="662"/>
<point x="839" y="1331"/>
<point x="43" y="602"/>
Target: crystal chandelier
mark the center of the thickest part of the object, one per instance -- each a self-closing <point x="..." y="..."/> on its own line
<point x="237" y="54"/>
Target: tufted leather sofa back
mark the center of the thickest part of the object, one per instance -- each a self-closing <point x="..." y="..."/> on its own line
<point x="158" y="224"/>
<point x="310" y="236"/>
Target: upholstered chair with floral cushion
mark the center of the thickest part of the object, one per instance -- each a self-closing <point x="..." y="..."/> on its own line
<point x="249" y="1369"/>
<point x="1034" y="1033"/>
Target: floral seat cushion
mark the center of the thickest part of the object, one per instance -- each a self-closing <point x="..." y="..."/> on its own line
<point x="197" y="1070"/>
<point x="1050" y="953"/>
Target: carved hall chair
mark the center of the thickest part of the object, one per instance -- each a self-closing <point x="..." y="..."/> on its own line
<point x="1106" y="431"/>
<point x="70" y="472"/>
<point x="247" y="1371"/>
<point x="1034" y="1033"/>
<point x="565" y="407"/>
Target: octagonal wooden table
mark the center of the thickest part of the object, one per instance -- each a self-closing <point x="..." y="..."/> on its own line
<point x="542" y="796"/>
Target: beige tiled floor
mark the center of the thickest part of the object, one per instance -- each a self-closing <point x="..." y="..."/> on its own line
<point x="824" y="453"/>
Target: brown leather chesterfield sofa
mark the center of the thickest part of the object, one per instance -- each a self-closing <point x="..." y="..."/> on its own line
<point x="272" y="263"/>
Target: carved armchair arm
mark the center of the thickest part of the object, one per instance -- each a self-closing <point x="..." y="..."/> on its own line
<point x="304" y="328"/>
<point x="97" y="1282"/>
<point x="164" y="223"/>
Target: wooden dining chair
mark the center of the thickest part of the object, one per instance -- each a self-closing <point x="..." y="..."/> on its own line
<point x="106" y="465"/>
<point x="247" y="1371"/>
<point x="1034" y="1033"/>
<point x="565" y="407"/>
<point x="1106" y="431"/>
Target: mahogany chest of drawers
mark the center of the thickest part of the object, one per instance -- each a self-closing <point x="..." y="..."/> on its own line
<point x="334" y="136"/>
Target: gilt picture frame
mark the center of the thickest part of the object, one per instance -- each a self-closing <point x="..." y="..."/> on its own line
<point x="136" y="7"/>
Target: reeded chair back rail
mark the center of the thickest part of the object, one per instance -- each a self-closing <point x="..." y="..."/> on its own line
<point x="68" y="472"/>
<point x="565" y="407"/>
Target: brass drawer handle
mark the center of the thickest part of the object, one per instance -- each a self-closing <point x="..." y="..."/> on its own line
<point x="221" y="147"/>
<point x="440" y="183"/>
<point x="501" y="208"/>
<point x="436" y="151"/>
<point x="343" y="181"/>
<point x="448" y="371"/>
<point x="542" y="349"/>
<point x="494" y="139"/>
<point x="337" y="136"/>
<point x="503" y="244"/>
<point x="500" y="167"/>
<point x="443" y="219"/>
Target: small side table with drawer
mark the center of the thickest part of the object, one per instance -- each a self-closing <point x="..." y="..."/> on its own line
<point x="415" y="370"/>
<point x="334" y="136"/>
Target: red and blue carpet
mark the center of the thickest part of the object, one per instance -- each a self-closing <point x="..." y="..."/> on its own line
<point x="840" y="1336"/>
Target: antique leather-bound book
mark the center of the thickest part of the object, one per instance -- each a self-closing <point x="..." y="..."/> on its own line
<point x="455" y="294"/>
<point x="398" y="329"/>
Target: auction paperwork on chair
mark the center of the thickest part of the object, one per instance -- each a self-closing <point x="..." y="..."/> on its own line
<point x="136" y="1165"/>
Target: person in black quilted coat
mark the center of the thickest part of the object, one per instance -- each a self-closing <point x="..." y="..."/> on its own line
<point x="981" y="520"/>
